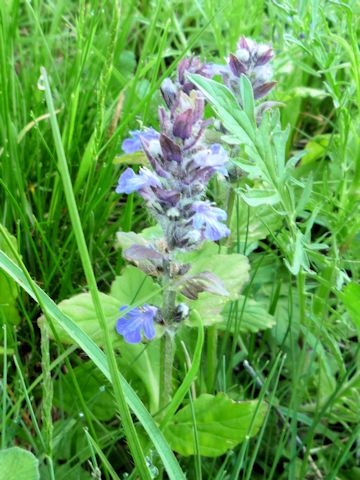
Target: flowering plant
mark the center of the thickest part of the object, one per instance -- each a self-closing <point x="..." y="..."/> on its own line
<point x="182" y="278"/>
<point x="181" y="163"/>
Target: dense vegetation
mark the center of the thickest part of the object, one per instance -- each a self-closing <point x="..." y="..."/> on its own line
<point x="280" y="359"/>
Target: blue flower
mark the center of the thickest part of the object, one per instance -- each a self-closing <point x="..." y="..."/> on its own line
<point x="209" y="218"/>
<point x="130" y="182"/>
<point x="211" y="161"/>
<point x="132" y="145"/>
<point x="218" y="158"/>
<point x="135" y="321"/>
<point x="212" y="69"/>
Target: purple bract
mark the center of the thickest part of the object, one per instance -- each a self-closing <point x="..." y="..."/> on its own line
<point x="251" y="59"/>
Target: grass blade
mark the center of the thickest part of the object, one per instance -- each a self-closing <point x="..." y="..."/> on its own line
<point x="130" y="432"/>
<point x="99" y="358"/>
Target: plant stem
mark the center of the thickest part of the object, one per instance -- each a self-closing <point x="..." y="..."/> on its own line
<point x="169" y="305"/>
<point x="182" y="390"/>
<point x="166" y="345"/>
<point x="166" y="364"/>
<point x="212" y="336"/>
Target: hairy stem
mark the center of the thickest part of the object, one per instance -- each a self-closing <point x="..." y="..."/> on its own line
<point x="168" y="309"/>
<point x="166" y="364"/>
<point x="166" y="345"/>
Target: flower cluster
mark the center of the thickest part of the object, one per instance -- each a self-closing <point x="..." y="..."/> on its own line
<point x="181" y="165"/>
<point x="252" y="60"/>
<point x="170" y="88"/>
<point x="173" y="184"/>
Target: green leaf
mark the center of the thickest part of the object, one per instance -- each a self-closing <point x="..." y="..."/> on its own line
<point x="255" y="198"/>
<point x="18" y="464"/>
<point x="8" y="288"/>
<point x="125" y="240"/>
<point x="215" y="310"/>
<point x="127" y="62"/>
<point x="232" y="269"/>
<point x="224" y="102"/>
<point x="81" y="309"/>
<point x="315" y="148"/>
<point x="351" y="299"/>
<point x="94" y="387"/>
<point x="137" y="158"/>
<point x="209" y="307"/>
<point x="133" y="286"/>
<point x="251" y="224"/>
<point x="247" y="97"/>
<point x="149" y="235"/>
<point x="221" y="424"/>
<point x="98" y="357"/>
<point x="143" y="361"/>
<point x="152" y="234"/>
<point x="308" y="92"/>
<point x="296" y="252"/>
<point x="254" y="317"/>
